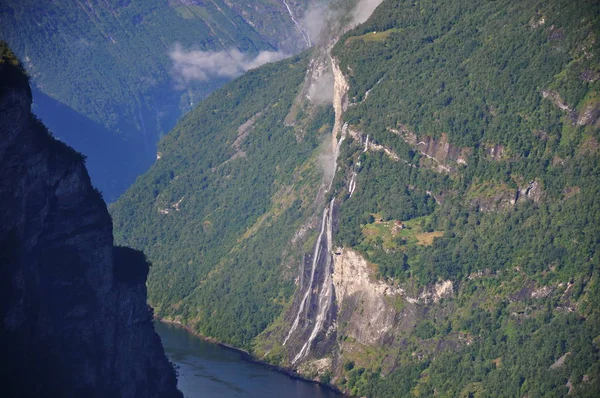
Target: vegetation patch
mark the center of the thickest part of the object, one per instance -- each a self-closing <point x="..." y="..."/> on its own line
<point x="394" y="234"/>
<point x="372" y="36"/>
<point x="426" y="238"/>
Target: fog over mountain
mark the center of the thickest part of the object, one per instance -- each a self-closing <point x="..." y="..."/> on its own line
<point x="196" y="65"/>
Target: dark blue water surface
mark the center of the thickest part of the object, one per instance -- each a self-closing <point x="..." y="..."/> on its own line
<point x="209" y="370"/>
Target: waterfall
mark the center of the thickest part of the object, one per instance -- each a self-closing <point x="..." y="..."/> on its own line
<point x="352" y="185"/>
<point x="323" y="245"/>
<point x="315" y="261"/>
<point x="303" y="31"/>
<point x="321" y="274"/>
<point x="325" y="295"/>
<point x="366" y="144"/>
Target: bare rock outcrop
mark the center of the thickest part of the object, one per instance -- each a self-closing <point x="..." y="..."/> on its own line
<point x="362" y="300"/>
<point x="340" y="98"/>
<point x="438" y="153"/>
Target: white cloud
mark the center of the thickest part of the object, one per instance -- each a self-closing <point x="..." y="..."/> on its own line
<point x="321" y="16"/>
<point x="363" y="10"/>
<point x="321" y="91"/>
<point x="315" y="19"/>
<point x="204" y="65"/>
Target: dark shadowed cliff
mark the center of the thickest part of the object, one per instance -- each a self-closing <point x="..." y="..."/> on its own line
<point x="72" y="305"/>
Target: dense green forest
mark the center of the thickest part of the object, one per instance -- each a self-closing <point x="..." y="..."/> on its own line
<point x="489" y="114"/>
<point x="540" y="142"/>
<point x="520" y="79"/>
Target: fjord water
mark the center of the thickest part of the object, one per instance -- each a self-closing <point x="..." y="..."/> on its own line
<point x="209" y="370"/>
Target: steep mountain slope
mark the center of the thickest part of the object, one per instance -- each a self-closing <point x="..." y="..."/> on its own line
<point x="464" y="106"/>
<point x="115" y="68"/>
<point x="73" y="306"/>
<point x="455" y="252"/>
<point x="203" y="209"/>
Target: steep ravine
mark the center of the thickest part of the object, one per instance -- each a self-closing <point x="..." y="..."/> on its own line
<point x="336" y="284"/>
<point x="310" y="327"/>
<point x="73" y="306"/>
<point x="310" y="341"/>
<point x="316" y="309"/>
<point x="313" y="311"/>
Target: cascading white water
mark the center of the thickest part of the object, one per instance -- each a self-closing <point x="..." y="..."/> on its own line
<point x="316" y="254"/>
<point x="323" y="250"/>
<point x="325" y="295"/>
<point x="336" y="150"/>
<point x="326" y="291"/>
<point x="352" y="185"/>
<point x="303" y="31"/>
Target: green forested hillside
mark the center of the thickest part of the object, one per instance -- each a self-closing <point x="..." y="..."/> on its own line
<point x="480" y="173"/>
<point x="215" y="212"/>
<point x="442" y="71"/>
<point x="513" y="88"/>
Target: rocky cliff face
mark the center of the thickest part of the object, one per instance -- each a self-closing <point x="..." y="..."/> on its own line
<point x="363" y="301"/>
<point x="73" y="307"/>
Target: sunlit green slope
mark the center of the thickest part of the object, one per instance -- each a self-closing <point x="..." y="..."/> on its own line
<point x="216" y="211"/>
<point x="480" y="174"/>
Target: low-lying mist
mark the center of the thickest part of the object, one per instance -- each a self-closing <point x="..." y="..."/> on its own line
<point x="197" y="65"/>
<point x="323" y="14"/>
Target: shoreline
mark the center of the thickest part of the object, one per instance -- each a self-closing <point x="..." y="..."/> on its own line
<point x="246" y="356"/>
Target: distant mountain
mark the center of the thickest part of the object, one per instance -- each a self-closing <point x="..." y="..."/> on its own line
<point x="117" y="64"/>
<point x="73" y="312"/>
<point x="408" y="209"/>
